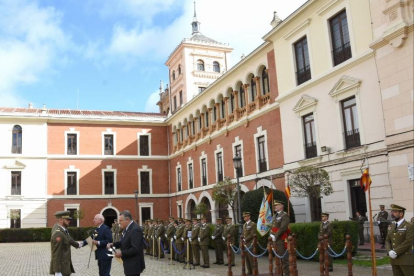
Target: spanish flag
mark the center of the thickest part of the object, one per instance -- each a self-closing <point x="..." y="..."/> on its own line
<point x="287" y="192"/>
<point x="365" y="180"/>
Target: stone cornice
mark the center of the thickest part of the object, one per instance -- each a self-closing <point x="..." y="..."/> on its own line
<point x="297" y="28"/>
<point x="327" y="7"/>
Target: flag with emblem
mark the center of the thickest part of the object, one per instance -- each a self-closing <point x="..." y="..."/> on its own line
<point x="365" y="180"/>
<point x="265" y="214"/>
<point x="287" y="192"/>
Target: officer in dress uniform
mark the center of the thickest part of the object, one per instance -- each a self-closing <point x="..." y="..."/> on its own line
<point x="249" y="229"/>
<point x="161" y="237"/>
<point x="187" y="236"/>
<point x="279" y="233"/>
<point x="61" y="260"/>
<point x="195" y="244"/>
<point x="179" y="240"/>
<point x="399" y="241"/>
<point x="204" y="239"/>
<point x="327" y="228"/>
<point x="229" y="229"/>
<point x="169" y="234"/>
<point x="382" y="218"/>
<point x="361" y="220"/>
<point x="217" y="238"/>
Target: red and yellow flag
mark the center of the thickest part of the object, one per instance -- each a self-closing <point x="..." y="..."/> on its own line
<point x="365" y="180"/>
<point x="287" y="192"/>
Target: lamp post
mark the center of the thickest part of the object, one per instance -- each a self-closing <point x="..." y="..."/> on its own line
<point x="237" y="165"/>
<point x="136" y="204"/>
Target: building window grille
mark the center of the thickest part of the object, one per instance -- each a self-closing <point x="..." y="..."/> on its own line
<point x="71" y="188"/>
<point x="310" y="137"/>
<point x="262" y="154"/>
<point x="340" y="38"/>
<point x="303" y="72"/>
<point x="109" y="183"/>
<point x="17" y="139"/>
<point x="350" y="119"/>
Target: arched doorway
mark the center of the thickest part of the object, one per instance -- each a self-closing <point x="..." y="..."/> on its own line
<point x="191" y="209"/>
<point x="208" y="213"/>
<point x="110" y="215"/>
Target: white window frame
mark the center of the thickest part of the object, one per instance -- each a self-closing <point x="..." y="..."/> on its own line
<point x="203" y="156"/>
<point x="238" y="142"/>
<point x="108" y="132"/>
<point x="72" y="131"/>
<point x="14" y="207"/>
<point x="219" y="150"/>
<point x="109" y="169"/>
<point x="190" y="162"/>
<point x="139" y="134"/>
<point x="145" y="205"/>
<point x="176" y="177"/>
<point x="73" y="206"/>
<point x="144" y="169"/>
<point x="260" y="132"/>
<point x="65" y="173"/>
<point x="180" y="203"/>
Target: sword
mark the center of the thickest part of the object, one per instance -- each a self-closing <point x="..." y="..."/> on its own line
<point x="92" y="236"/>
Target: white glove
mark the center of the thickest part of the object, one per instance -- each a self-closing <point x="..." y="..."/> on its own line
<point x="80" y="244"/>
<point x="58" y="274"/>
<point x="273" y="237"/>
<point x="172" y="239"/>
<point x="199" y="239"/>
<point x="378" y="222"/>
<point x="182" y="239"/>
<point x="392" y="254"/>
<point x="165" y="235"/>
<point x="175" y="237"/>
<point x="190" y="239"/>
<point x="212" y="237"/>
<point x="223" y="238"/>
<point x="244" y="240"/>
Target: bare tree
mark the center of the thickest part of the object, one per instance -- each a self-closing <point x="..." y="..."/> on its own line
<point x="225" y="193"/>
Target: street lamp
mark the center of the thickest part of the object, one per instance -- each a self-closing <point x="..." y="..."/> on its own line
<point x="136" y="204"/>
<point x="238" y="165"/>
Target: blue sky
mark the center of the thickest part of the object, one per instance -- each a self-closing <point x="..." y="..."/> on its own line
<point x="113" y="51"/>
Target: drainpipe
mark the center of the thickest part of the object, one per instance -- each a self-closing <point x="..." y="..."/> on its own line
<point x="169" y="171"/>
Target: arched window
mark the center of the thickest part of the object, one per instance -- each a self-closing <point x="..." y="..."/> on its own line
<point x="253" y="88"/>
<point x="173" y="75"/>
<point x="207" y="121"/>
<point x="17" y="139"/>
<point x="223" y="105"/>
<point x="265" y="81"/>
<point x="200" y="65"/>
<point x="232" y="102"/>
<point x="179" y="69"/>
<point x="242" y="102"/>
<point x="216" y="67"/>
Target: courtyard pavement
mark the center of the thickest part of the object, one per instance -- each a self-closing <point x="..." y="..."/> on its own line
<point x="24" y="259"/>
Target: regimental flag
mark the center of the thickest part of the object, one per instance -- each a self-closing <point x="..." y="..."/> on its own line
<point x="287" y="192"/>
<point x="365" y="180"/>
<point x="264" y="221"/>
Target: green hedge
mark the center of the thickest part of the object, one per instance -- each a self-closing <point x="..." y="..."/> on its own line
<point x="39" y="234"/>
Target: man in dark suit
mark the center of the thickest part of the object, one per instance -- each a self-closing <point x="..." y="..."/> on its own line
<point x="131" y="245"/>
<point x="101" y="237"/>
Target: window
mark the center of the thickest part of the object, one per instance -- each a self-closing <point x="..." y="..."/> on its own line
<point x="108" y="144"/>
<point x="179" y="179"/>
<point x="216" y="67"/>
<point x="238" y="152"/>
<point x="310" y="138"/>
<point x="190" y="176"/>
<point x="242" y="102"/>
<point x="144" y="145"/>
<point x="175" y="102"/>
<point x="223" y="105"/>
<point x="232" y="102"/>
<point x="200" y="122"/>
<point x="180" y="211"/>
<point x="315" y="208"/>
<point x="173" y="75"/>
<point x="214" y="113"/>
<point x="350" y="119"/>
<point x="200" y="65"/>
<point x="340" y="38"/>
<point x="181" y="98"/>
<point x="193" y="127"/>
<point x="303" y="72"/>
<point x="16" y="183"/>
<point x="179" y="69"/>
<point x="145" y="213"/>
<point x="145" y="182"/>
<point x="71" y="188"/>
<point x="262" y="154"/>
<point x="201" y="89"/>
<point x="15" y="218"/>
<point x="72" y="222"/>
<point x="109" y="183"/>
<point x="17" y="139"/>
<point x="253" y="89"/>
<point x="219" y="167"/>
<point x="204" y="172"/>
<point x="72" y="144"/>
<point x="207" y="120"/>
<point x="181" y="134"/>
<point x="358" y="199"/>
<point x="265" y="81"/>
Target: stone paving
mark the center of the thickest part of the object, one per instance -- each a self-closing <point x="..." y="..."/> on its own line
<point x="24" y="259"/>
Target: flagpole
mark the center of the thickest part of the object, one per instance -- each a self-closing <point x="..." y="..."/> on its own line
<point x="371" y="227"/>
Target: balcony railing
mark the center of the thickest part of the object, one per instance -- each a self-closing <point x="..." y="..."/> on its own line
<point x="71" y="151"/>
<point x="242" y="111"/>
<point x="71" y="191"/>
<point x="108" y="152"/>
<point x="109" y="190"/>
<point x="179" y="187"/>
<point x="220" y="176"/>
<point x="16" y="149"/>
<point x="342" y="53"/>
<point x="310" y="150"/>
<point x="303" y="75"/>
<point x="204" y="181"/>
<point x="262" y="165"/>
<point x="16" y="191"/>
<point x="190" y="184"/>
<point x="352" y="139"/>
<point x="265" y="99"/>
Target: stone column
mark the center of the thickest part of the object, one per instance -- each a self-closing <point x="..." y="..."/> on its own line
<point x="217" y="115"/>
<point x="258" y="90"/>
<point x="202" y="124"/>
<point x="246" y="94"/>
<point x="210" y="117"/>
<point x="226" y="109"/>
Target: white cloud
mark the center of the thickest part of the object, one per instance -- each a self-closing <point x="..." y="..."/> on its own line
<point x="29" y="40"/>
<point x="151" y="103"/>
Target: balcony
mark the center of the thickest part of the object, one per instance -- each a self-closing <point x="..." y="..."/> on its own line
<point x="310" y="150"/>
<point x="303" y="75"/>
<point x="265" y="99"/>
<point x="231" y="118"/>
<point x="252" y="106"/>
<point x="262" y="165"/>
<point x="241" y="111"/>
<point x="16" y="191"/>
<point x="352" y="139"/>
<point x="342" y="53"/>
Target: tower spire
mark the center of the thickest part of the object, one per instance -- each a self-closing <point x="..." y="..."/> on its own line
<point x="195" y="24"/>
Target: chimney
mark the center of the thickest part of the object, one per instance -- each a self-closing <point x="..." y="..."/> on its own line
<point x="276" y="20"/>
<point x="44" y="110"/>
<point x="30" y="105"/>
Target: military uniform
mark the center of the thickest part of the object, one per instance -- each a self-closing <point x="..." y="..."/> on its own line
<point x="179" y="241"/>
<point x="217" y="238"/>
<point x="187" y="235"/>
<point x="60" y="242"/>
<point x="382" y="222"/>
<point x="361" y="220"/>
<point x="399" y="240"/>
<point x="161" y="238"/>
<point x="249" y="229"/>
<point x="195" y="244"/>
<point x="170" y="235"/>
<point x="327" y="228"/>
<point x="151" y="232"/>
<point x="204" y="239"/>
<point x="280" y="226"/>
<point x="229" y="229"/>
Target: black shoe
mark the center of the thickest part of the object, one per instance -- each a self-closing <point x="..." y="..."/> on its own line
<point x="226" y="264"/>
<point x="361" y="244"/>
<point x="216" y="263"/>
<point x="331" y="269"/>
<point x="220" y="263"/>
<point x="233" y="265"/>
<point x="196" y="264"/>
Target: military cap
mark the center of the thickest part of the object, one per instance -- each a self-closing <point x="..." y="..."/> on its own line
<point x="176" y="221"/>
<point x="171" y="218"/>
<point x="246" y="214"/>
<point x="277" y="202"/>
<point x="187" y="220"/>
<point x="395" y="207"/>
<point x="203" y="217"/>
<point x="160" y="220"/>
<point x="325" y="215"/>
<point x="195" y="219"/>
<point x="63" y="214"/>
<point x="218" y="218"/>
<point x="230" y="218"/>
<point x="180" y="219"/>
<point x="381" y="205"/>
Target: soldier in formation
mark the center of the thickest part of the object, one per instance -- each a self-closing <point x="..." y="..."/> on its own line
<point x="160" y="235"/>
<point x="217" y="238"/>
<point x="326" y="228"/>
<point x="382" y="222"/>
<point x="229" y="229"/>
<point x="170" y="235"/>
<point x="195" y="245"/>
<point x="187" y="235"/>
<point x="179" y="240"/>
<point x="204" y="239"/>
<point x="399" y="242"/>
<point x="249" y="229"/>
<point x="361" y="220"/>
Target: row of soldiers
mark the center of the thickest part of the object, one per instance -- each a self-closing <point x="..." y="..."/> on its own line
<point x="195" y="233"/>
<point x="116" y="231"/>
